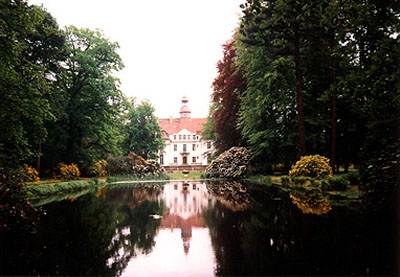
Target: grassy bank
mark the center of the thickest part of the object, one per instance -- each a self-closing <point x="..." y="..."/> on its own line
<point x="119" y="178"/>
<point x="192" y="175"/>
<point x="351" y="192"/>
<point x="40" y="194"/>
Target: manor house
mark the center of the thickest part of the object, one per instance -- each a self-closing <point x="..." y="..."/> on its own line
<point x="184" y="146"/>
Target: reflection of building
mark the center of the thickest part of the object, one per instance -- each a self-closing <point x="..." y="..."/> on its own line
<point x="184" y="145"/>
<point x="184" y="205"/>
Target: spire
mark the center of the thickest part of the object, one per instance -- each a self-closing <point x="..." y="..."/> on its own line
<point x="185" y="110"/>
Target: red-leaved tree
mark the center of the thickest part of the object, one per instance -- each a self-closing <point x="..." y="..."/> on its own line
<point x="227" y="87"/>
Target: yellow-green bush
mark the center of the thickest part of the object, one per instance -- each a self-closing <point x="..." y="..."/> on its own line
<point x="69" y="171"/>
<point x="31" y="174"/>
<point x="315" y="166"/>
<point x="99" y="168"/>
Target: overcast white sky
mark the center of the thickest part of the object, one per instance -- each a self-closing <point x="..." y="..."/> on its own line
<point x="169" y="47"/>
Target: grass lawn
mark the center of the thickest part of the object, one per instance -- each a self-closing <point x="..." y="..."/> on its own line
<point x="178" y="175"/>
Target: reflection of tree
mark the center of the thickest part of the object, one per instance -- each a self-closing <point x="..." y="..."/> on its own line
<point x="89" y="236"/>
<point x="136" y="230"/>
<point x="274" y="237"/>
<point x="311" y="201"/>
<point x="231" y="194"/>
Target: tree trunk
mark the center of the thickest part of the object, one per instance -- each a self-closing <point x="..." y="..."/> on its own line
<point x="334" y="128"/>
<point x="39" y="157"/>
<point x="332" y="75"/>
<point x="299" y="94"/>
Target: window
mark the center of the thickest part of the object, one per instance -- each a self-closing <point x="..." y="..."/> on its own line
<point x="184" y="148"/>
<point x="184" y="136"/>
<point x="174" y="137"/>
<point x="161" y="159"/>
<point x="175" y="160"/>
<point x="194" y="136"/>
<point x="175" y="147"/>
<point x="193" y="159"/>
<point x="180" y="136"/>
<point x="208" y="144"/>
<point x="193" y="147"/>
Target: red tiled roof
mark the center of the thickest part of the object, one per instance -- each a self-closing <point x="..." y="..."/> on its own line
<point x="174" y="125"/>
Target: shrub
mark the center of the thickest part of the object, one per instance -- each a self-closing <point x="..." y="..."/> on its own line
<point x="16" y="213"/>
<point x="119" y="165"/>
<point x="353" y="177"/>
<point x="133" y="165"/>
<point x="285" y="181"/>
<point x="31" y="174"/>
<point x="309" y="182"/>
<point x="69" y="171"/>
<point x="231" y="164"/>
<point x="339" y="182"/>
<point x="99" y="168"/>
<point x="315" y="166"/>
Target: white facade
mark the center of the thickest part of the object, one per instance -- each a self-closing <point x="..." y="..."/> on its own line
<point x="183" y="142"/>
<point x="185" y="148"/>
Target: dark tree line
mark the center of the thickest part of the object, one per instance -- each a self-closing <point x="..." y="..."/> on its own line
<point x="322" y="77"/>
<point x="59" y="98"/>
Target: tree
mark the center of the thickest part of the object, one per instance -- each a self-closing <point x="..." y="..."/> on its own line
<point x="31" y="49"/>
<point x="142" y="131"/>
<point x="227" y="87"/>
<point x="267" y="106"/>
<point x="342" y="56"/>
<point x="89" y="103"/>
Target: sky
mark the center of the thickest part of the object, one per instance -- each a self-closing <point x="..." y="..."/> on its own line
<point x="169" y="48"/>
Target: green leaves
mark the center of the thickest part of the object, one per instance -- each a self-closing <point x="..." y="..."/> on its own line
<point x="347" y="64"/>
<point x="142" y="131"/>
<point x="31" y="49"/>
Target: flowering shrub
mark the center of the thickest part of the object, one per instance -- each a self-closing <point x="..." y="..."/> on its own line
<point x="69" y="171"/>
<point x="315" y="166"/>
<point x="99" y="168"/>
<point x="231" y="164"/>
<point x="31" y="174"/>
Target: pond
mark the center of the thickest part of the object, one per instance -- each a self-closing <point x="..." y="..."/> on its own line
<point x="204" y="229"/>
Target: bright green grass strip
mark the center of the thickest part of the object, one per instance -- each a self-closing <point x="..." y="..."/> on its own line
<point x="43" y="200"/>
<point x="192" y="175"/>
<point x="62" y="187"/>
<point x="119" y="178"/>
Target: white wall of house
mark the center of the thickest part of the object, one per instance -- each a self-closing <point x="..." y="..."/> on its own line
<point x="186" y="148"/>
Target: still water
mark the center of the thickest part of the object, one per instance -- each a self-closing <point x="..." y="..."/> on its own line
<point x="199" y="229"/>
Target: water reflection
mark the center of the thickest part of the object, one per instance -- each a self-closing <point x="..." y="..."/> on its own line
<point x="231" y="194"/>
<point x="184" y="206"/>
<point x="311" y="201"/>
<point x="192" y="229"/>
